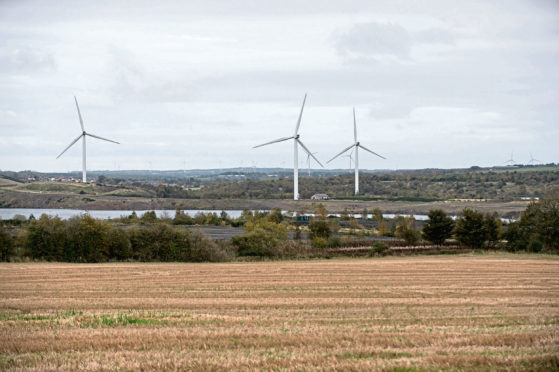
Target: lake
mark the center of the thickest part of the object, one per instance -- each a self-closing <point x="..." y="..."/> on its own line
<point x="9" y="213"/>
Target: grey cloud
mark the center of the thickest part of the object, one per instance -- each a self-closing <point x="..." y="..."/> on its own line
<point x="25" y="59"/>
<point x="371" y="41"/>
<point x="434" y="36"/>
<point x="374" y="39"/>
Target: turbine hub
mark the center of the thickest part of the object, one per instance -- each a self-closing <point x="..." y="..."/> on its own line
<point x="83" y="133"/>
<point x="297" y="137"/>
<point x="356" y="143"/>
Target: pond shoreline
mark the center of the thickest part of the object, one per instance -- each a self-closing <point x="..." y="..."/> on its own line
<point x="18" y="199"/>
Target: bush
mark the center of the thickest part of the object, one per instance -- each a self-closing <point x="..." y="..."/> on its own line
<point x="535" y="246"/>
<point x="141" y="241"/>
<point x="212" y="219"/>
<point x="162" y="242"/>
<point x="275" y="216"/>
<point x="334" y="242"/>
<point x="149" y="217"/>
<point x="46" y="239"/>
<point x="258" y="242"/>
<point x="92" y="243"/>
<point x="378" y="249"/>
<point x="516" y="237"/>
<point x="494" y="229"/>
<point x="6" y="245"/>
<point x="319" y="242"/>
<point x="182" y="218"/>
<point x="539" y="222"/>
<point x="293" y="249"/>
<point x="203" y="249"/>
<point x="438" y="227"/>
<point x="119" y="244"/>
<point x="319" y="229"/>
<point x="406" y="230"/>
<point x="470" y="229"/>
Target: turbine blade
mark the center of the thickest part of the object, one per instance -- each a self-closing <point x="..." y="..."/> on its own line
<point x="79" y="113"/>
<point x="300" y="116"/>
<point x="274" y="141"/>
<point x="70" y="145"/>
<point x="344" y="150"/>
<point x="372" y="152"/>
<point x="354" y="126"/>
<point x="309" y="153"/>
<point x="101" y="138"/>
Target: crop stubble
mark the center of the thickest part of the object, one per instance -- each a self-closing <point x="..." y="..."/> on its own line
<point x="466" y="312"/>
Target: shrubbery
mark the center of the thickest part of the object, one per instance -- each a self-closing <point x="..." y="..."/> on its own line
<point x="262" y="236"/>
<point x="84" y="239"/>
<point x="406" y="230"/>
<point x="6" y="245"/>
<point x="474" y="229"/>
<point x="438" y="227"/>
<point x="537" y="228"/>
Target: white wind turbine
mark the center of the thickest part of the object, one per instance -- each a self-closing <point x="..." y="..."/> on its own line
<point x="356" y="145"/>
<point x="82" y="136"/>
<point x="296" y="142"/>
<point x="534" y="161"/>
<point x="350" y="157"/>
<point x="511" y="160"/>
<point x="309" y="162"/>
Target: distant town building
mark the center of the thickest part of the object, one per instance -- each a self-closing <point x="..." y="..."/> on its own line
<point x="320" y="197"/>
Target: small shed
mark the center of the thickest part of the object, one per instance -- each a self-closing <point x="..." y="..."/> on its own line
<point x="320" y="197"/>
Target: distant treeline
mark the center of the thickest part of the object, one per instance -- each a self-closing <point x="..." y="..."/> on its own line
<point x="85" y="239"/>
<point x="501" y="185"/>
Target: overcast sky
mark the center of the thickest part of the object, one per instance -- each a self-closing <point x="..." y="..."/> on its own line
<point x="191" y="84"/>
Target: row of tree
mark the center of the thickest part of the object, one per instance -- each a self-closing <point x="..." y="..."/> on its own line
<point x="438" y="185"/>
<point x="85" y="239"/>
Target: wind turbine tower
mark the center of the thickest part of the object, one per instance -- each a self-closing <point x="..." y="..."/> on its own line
<point x="82" y="136"/>
<point x="296" y="143"/>
<point x="356" y="145"/>
<point x="511" y="160"/>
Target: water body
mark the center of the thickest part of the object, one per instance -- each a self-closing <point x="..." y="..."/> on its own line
<point x="9" y="213"/>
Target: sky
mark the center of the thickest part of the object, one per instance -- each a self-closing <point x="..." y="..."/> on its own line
<point x="190" y="84"/>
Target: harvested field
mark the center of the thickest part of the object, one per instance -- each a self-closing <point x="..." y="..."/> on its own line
<point x="470" y="312"/>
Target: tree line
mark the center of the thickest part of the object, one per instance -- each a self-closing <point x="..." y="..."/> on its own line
<point x="500" y="185"/>
<point x="266" y="234"/>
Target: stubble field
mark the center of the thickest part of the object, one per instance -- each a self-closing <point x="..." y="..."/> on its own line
<point x="481" y="312"/>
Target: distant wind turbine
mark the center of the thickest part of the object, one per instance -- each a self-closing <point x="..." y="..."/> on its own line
<point x="511" y="160"/>
<point x="309" y="162"/>
<point x="533" y="161"/>
<point x="82" y="136"/>
<point x="356" y="145"/>
<point x="296" y="143"/>
<point x="350" y="157"/>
